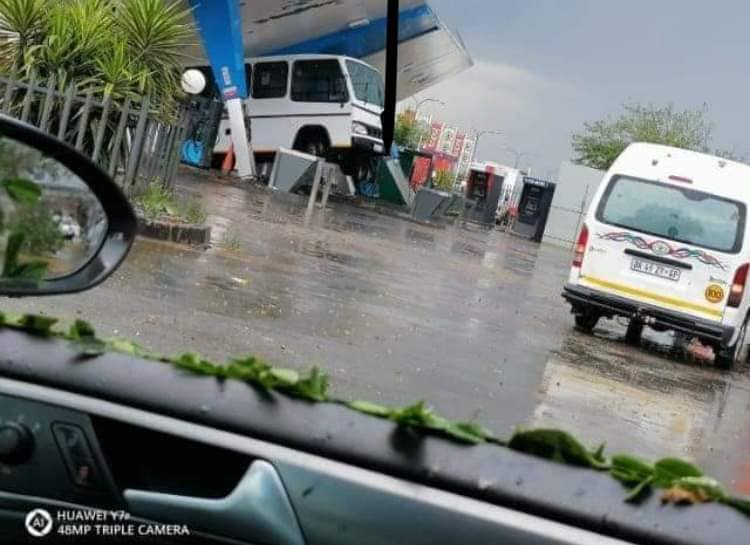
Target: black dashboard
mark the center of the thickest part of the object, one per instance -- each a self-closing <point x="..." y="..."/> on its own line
<point x="124" y="435"/>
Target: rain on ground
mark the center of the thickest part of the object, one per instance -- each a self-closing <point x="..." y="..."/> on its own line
<point x="470" y="320"/>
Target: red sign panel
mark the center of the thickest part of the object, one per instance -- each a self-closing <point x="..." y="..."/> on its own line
<point x="458" y="145"/>
<point x="420" y="172"/>
<point x="435" y="133"/>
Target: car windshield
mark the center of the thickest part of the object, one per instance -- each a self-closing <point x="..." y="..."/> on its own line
<point x="277" y="222"/>
<point x="675" y="213"/>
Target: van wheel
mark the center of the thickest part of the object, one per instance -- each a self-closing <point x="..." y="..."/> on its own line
<point x="634" y="332"/>
<point x="725" y="358"/>
<point x="728" y="357"/>
<point x="586" y="321"/>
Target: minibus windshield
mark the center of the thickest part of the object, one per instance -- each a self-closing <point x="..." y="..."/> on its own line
<point x="676" y="213"/>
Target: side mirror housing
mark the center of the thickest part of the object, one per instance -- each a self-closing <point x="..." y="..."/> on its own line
<point x="65" y="226"/>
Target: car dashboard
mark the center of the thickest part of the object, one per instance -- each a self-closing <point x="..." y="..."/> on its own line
<point x="150" y="454"/>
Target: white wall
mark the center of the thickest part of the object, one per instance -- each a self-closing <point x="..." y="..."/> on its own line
<point x="576" y="186"/>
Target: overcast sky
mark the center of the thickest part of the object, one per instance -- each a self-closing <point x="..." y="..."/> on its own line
<point x="544" y="67"/>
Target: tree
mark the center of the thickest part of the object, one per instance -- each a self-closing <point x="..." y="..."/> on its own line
<point x="444" y="179"/>
<point x="408" y="131"/>
<point x="601" y="142"/>
<point x="123" y="48"/>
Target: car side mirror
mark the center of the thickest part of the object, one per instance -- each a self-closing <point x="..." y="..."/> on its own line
<point x="65" y="226"/>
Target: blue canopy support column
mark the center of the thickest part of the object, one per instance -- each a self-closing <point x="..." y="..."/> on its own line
<point x="220" y="25"/>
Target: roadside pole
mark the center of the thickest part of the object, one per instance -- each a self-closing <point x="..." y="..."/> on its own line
<point x="245" y="164"/>
<point x="220" y="25"/>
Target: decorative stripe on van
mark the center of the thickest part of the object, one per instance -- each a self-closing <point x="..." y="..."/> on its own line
<point x="710" y="311"/>
<point x="661" y="248"/>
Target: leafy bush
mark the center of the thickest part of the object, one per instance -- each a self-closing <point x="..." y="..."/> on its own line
<point x="192" y="211"/>
<point x="408" y="131"/>
<point x="443" y="180"/>
<point x="120" y="48"/>
<point x="157" y="201"/>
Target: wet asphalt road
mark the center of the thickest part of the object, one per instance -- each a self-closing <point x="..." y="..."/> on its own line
<point x="468" y="319"/>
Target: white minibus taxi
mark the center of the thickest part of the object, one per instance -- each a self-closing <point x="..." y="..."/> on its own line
<point x="324" y="105"/>
<point x="665" y="244"/>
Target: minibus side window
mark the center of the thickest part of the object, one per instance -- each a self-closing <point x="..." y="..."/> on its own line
<point x="270" y="80"/>
<point x="319" y="81"/>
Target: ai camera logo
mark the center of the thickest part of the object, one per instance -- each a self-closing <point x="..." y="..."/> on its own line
<point x="39" y="523"/>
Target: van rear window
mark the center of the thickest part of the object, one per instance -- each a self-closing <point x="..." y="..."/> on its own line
<point x="677" y="213"/>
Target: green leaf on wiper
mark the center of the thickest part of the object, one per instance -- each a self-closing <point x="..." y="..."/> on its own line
<point x="373" y="409"/>
<point x="416" y="415"/>
<point x="739" y="504"/>
<point x="312" y="388"/>
<point x="37" y="324"/>
<point x="706" y="486"/>
<point x="81" y="330"/>
<point x="631" y="470"/>
<point x="635" y="473"/>
<point x="131" y="349"/>
<point x="469" y="432"/>
<point x="22" y="191"/>
<point x="555" y="445"/>
<point x="285" y="377"/>
<point x="420" y="415"/>
<point x="598" y="454"/>
<point x="83" y="336"/>
<point x="195" y="363"/>
<point x="669" y="470"/>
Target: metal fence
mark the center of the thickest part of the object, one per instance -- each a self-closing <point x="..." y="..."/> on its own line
<point x="124" y="137"/>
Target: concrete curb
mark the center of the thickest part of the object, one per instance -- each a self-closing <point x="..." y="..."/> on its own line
<point x="180" y="233"/>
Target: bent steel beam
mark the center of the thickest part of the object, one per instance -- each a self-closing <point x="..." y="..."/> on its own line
<point x="220" y="27"/>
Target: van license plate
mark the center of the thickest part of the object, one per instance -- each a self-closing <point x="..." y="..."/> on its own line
<point x="654" y="269"/>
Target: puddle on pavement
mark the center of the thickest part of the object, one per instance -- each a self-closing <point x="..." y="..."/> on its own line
<point x="323" y="250"/>
<point x="638" y="401"/>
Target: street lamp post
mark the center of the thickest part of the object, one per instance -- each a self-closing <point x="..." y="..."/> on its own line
<point x="518" y="155"/>
<point x="477" y="137"/>
<point x="417" y="106"/>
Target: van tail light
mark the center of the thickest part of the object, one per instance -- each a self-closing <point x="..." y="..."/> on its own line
<point x="738" y="286"/>
<point x="583" y="241"/>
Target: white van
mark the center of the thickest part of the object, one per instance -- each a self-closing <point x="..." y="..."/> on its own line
<point x="325" y="105"/>
<point x="665" y="243"/>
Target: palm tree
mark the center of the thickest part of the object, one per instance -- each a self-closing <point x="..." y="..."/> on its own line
<point x="120" y="48"/>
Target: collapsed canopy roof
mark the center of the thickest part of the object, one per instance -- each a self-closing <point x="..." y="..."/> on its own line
<point x="429" y="52"/>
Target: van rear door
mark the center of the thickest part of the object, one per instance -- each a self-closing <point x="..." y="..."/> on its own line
<point x="665" y="244"/>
